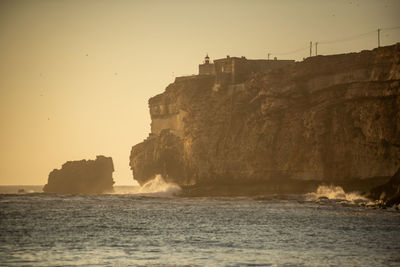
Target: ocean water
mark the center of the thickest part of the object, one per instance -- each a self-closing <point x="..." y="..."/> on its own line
<point x="149" y="227"/>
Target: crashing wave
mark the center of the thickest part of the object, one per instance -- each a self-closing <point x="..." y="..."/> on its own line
<point x="336" y="193"/>
<point x="159" y="187"/>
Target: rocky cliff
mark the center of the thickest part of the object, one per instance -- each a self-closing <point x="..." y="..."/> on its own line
<point x="82" y="177"/>
<point x="327" y="119"/>
<point x="388" y="193"/>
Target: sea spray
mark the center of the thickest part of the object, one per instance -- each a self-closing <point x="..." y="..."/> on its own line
<point x="336" y="193"/>
<point x="159" y="187"/>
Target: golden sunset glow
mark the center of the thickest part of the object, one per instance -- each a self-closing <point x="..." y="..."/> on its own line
<point x="75" y="76"/>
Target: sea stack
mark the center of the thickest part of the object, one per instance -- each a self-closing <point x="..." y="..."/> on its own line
<point x="82" y="177"/>
<point x="246" y="127"/>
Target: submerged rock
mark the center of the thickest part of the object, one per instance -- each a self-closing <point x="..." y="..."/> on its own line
<point x="388" y="193"/>
<point x="328" y="119"/>
<point x="82" y="177"/>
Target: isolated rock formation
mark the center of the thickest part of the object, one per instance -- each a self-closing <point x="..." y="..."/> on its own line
<point x="82" y="177"/>
<point x="328" y="119"/>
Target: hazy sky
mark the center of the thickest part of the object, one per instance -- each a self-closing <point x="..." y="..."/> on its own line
<point x="75" y="76"/>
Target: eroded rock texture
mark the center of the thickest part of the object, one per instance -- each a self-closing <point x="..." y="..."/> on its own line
<point x="389" y="192"/>
<point x="328" y="119"/>
<point x="82" y="177"/>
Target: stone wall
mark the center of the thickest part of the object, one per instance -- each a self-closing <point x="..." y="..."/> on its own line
<point x="233" y="70"/>
<point x="206" y="69"/>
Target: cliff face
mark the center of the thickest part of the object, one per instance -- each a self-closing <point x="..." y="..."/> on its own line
<point x="82" y="177"/>
<point x="388" y="193"/>
<point x="326" y="119"/>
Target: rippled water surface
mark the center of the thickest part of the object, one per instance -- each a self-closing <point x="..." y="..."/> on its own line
<point x="127" y="229"/>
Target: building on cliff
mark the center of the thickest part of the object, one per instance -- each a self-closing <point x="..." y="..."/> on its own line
<point x="234" y="70"/>
<point x="206" y="68"/>
<point x="328" y="119"/>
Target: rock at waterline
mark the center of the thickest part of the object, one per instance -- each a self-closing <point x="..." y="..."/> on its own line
<point x="82" y="177"/>
<point x="389" y="192"/>
<point x="241" y="130"/>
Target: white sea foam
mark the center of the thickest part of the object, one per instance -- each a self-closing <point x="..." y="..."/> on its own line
<point x="336" y="193"/>
<point x="159" y="187"/>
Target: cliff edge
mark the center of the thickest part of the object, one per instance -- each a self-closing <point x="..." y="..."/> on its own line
<point x="82" y="177"/>
<point x="328" y="119"/>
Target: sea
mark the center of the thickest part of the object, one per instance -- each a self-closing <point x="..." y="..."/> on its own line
<point x="151" y="226"/>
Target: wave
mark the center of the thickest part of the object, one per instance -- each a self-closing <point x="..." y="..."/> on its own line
<point x="159" y="187"/>
<point x="156" y="187"/>
<point x="336" y="193"/>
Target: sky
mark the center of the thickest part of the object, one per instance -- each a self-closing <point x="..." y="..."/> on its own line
<point x="75" y="76"/>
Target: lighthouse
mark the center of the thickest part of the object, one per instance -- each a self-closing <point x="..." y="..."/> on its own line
<point x="206" y="68"/>
<point x="207" y="59"/>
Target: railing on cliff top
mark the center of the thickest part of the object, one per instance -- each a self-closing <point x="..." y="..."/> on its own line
<point x="317" y="44"/>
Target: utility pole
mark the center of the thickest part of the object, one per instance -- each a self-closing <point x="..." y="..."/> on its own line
<point x="310" y="49"/>
<point x="379" y="37"/>
<point x="316" y="48"/>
